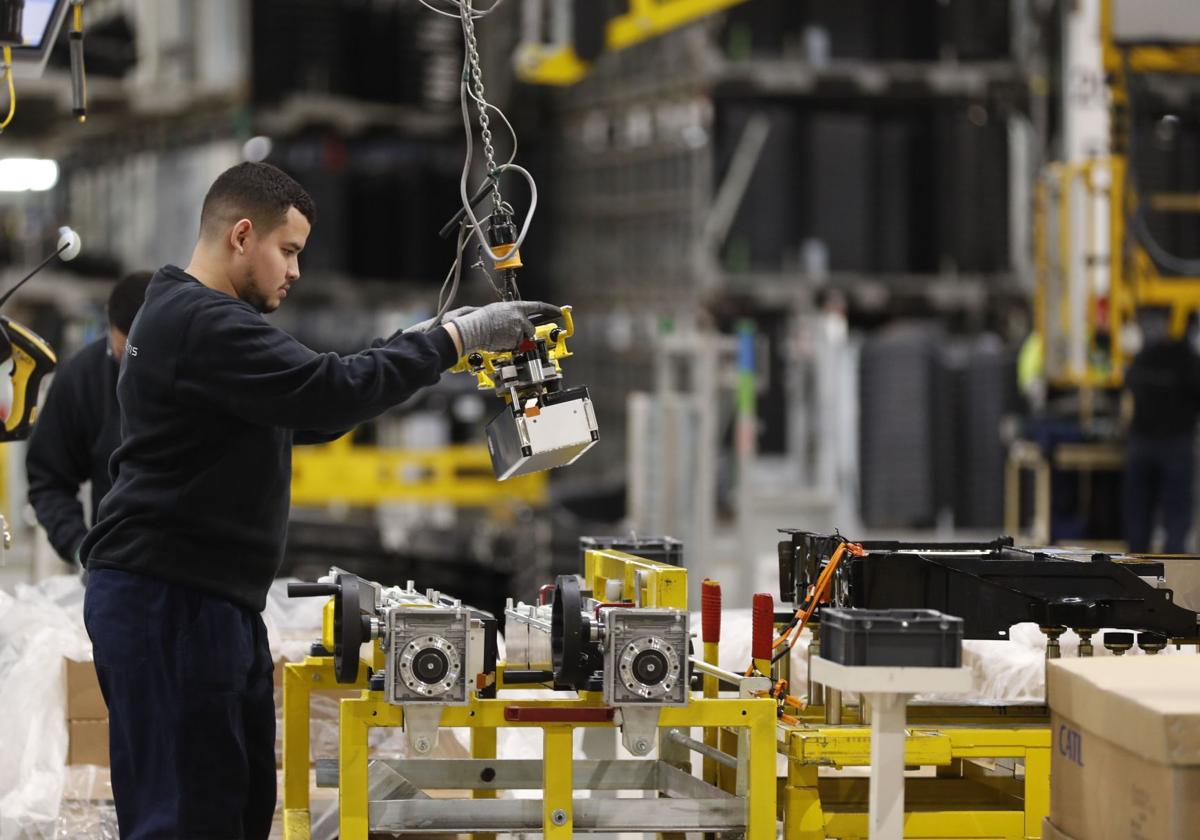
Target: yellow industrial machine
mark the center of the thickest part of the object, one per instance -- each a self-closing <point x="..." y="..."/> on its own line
<point x="1102" y="274"/>
<point x="561" y="38"/>
<point x="346" y="473"/>
<point x="1097" y="261"/>
<point x="618" y="640"/>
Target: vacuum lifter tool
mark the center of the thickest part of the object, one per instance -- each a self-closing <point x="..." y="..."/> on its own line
<point x="543" y="425"/>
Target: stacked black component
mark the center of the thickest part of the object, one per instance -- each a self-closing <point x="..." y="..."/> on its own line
<point x="897" y="431"/>
<point x="991" y="586"/>
<point x="395" y="53"/>
<point x="929" y="428"/>
<point x="881" y="187"/>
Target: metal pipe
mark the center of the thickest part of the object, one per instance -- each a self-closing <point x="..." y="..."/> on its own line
<point x="833" y="706"/>
<point x="705" y="668"/>
<point x="704" y="749"/>
<point x="816" y="691"/>
<point x="1053" y="649"/>
<point x="1085" y="642"/>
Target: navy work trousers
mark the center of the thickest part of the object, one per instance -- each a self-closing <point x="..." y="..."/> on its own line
<point x="1158" y="476"/>
<point x="191" y="709"/>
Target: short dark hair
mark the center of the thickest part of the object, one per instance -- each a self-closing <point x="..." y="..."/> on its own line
<point x="126" y="299"/>
<point x="259" y="192"/>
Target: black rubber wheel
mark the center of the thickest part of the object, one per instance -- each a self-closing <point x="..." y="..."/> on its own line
<point x="566" y="632"/>
<point x="348" y="633"/>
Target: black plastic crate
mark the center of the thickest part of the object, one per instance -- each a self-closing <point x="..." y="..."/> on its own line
<point x="898" y="638"/>
<point x="660" y="549"/>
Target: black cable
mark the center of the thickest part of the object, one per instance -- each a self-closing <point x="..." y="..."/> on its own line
<point x="39" y="267"/>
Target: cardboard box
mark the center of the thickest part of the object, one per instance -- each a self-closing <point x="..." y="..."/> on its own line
<point x="1052" y="832"/>
<point x="84" y="700"/>
<point x="88" y="742"/>
<point x="1125" y="756"/>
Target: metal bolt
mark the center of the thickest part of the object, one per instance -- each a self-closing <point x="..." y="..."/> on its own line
<point x="558" y="816"/>
<point x="641" y="745"/>
<point x="422" y="745"/>
<point x="316" y="677"/>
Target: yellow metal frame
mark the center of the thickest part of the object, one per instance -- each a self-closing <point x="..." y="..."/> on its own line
<point x="1056" y="285"/>
<point x="757" y="716"/>
<point x="558" y="64"/>
<point x="661" y="585"/>
<point x="344" y="473"/>
<point x="300" y="680"/>
<point x="958" y="740"/>
<point x="966" y="800"/>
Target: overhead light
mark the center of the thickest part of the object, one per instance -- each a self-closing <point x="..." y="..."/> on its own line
<point x="27" y="174"/>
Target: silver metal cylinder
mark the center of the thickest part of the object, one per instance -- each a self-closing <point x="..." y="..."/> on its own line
<point x="833" y="706"/>
<point x="1053" y="650"/>
<point x="1085" y="643"/>
<point x="704" y="749"/>
<point x="816" y="691"/>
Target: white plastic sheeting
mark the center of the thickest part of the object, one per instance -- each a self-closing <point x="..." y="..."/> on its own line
<point x="1011" y="671"/>
<point x="39" y="626"/>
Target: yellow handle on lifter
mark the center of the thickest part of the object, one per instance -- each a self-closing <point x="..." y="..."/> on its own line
<point x="485" y="364"/>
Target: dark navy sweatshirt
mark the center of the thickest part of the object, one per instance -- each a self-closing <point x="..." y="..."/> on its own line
<point x="1164" y="378"/>
<point x="212" y="398"/>
<point x="76" y="431"/>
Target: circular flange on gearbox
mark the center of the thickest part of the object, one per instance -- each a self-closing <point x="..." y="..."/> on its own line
<point x="429" y="666"/>
<point x="649" y="667"/>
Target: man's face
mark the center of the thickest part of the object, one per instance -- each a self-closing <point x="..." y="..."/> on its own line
<point x="269" y="263"/>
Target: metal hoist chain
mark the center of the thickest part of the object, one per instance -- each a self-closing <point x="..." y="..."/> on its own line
<point x="476" y="76"/>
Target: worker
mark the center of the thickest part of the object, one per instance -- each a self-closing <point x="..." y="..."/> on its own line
<point x="188" y="540"/>
<point x="79" y="426"/>
<point x="1164" y="381"/>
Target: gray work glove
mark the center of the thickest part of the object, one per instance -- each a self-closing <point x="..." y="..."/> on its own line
<point x="430" y="323"/>
<point x="501" y="326"/>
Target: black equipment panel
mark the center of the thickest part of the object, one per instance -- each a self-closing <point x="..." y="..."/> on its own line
<point x="990" y="585"/>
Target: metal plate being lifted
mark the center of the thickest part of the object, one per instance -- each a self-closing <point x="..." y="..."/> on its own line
<point x="563" y="428"/>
